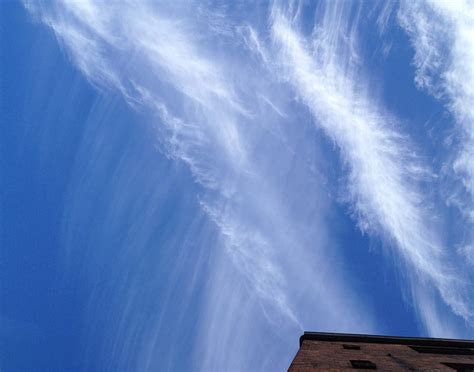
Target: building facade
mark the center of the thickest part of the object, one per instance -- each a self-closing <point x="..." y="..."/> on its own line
<point x="346" y="352"/>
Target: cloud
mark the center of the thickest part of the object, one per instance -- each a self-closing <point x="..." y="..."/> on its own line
<point x="230" y="100"/>
<point x="206" y="138"/>
<point x="252" y="42"/>
<point x="384" y="170"/>
<point x="441" y="33"/>
<point x="467" y="252"/>
<point x="227" y="123"/>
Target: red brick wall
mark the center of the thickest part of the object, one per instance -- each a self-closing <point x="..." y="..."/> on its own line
<point x="327" y="355"/>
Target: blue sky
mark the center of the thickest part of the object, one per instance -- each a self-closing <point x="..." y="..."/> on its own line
<point x="191" y="185"/>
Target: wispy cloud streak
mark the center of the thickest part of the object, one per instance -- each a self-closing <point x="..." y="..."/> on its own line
<point x="205" y="134"/>
<point x="219" y="89"/>
<point x="154" y="56"/>
<point x="442" y="34"/>
<point x="384" y="169"/>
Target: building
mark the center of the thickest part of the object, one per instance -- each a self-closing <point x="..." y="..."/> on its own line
<point x="346" y="352"/>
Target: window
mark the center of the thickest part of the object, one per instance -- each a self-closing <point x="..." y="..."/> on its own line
<point x="443" y="350"/>
<point x="461" y="367"/>
<point x="363" y="364"/>
<point x="351" y="347"/>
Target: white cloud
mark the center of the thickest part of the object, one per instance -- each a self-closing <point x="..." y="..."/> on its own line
<point x="231" y="140"/>
<point x="442" y="34"/>
<point x="231" y="124"/>
<point x="383" y="170"/>
<point x="467" y="252"/>
<point x="252" y="42"/>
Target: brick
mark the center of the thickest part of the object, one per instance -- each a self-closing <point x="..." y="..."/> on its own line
<point x="325" y="352"/>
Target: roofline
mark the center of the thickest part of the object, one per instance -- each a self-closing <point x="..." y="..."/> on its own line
<point x="422" y="341"/>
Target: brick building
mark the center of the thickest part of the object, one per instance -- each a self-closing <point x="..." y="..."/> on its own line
<point x="346" y="352"/>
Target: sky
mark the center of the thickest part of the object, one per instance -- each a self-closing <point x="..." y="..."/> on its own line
<point x="191" y="185"/>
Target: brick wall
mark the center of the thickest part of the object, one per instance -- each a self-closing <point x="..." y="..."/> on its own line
<point x="327" y="355"/>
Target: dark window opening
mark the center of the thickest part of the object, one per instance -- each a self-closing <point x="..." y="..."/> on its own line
<point x="363" y="364"/>
<point x="461" y="367"/>
<point x="351" y="347"/>
<point x="443" y="350"/>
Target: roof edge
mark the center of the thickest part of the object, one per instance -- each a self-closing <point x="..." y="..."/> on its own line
<point x="422" y="341"/>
